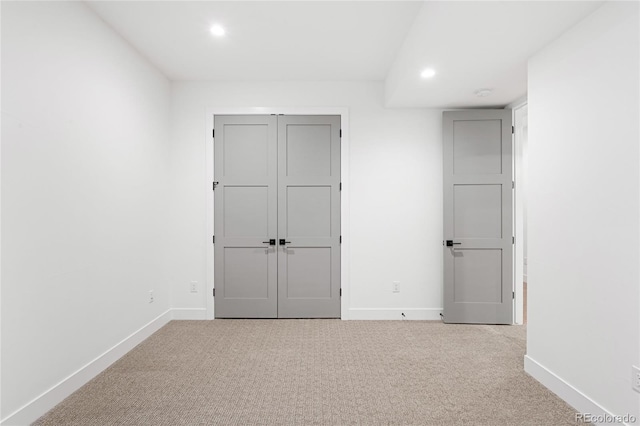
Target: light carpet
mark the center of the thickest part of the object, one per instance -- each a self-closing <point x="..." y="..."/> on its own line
<point x="318" y="372"/>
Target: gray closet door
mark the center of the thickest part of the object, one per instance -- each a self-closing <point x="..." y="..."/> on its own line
<point x="245" y="149"/>
<point x="309" y="216"/>
<point x="278" y="178"/>
<point x="478" y="246"/>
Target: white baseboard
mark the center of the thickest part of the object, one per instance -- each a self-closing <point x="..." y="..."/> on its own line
<point x="572" y="396"/>
<point x="49" y="399"/>
<point x="353" y="314"/>
<point x="394" y="314"/>
<point x="188" y="313"/>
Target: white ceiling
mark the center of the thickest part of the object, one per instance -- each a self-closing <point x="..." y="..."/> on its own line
<point x="266" y="40"/>
<point x="472" y="45"/>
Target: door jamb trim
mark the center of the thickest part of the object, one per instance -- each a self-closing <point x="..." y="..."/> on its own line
<point x="343" y="112"/>
<point x="518" y="214"/>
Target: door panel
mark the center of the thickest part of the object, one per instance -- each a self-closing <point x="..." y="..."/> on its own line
<point x="478" y="279"/>
<point x="308" y="272"/>
<point x="253" y="203"/>
<point x="308" y="211"/>
<point x="478" y="211"/>
<point x="246" y="267"/>
<point x="309" y="216"/>
<point x="246" y="273"/>
<point x="484" y="268"/>
<point x="246" y="150"/>
<point x="308" y="149"/>
<point x="477" y="147"/>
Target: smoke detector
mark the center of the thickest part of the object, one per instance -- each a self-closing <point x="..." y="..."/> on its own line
<point x="483" y="93"/>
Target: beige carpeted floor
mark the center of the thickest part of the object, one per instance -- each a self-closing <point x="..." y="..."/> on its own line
<point x="318" y="372"/>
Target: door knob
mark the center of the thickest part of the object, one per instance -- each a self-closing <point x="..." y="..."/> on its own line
<point x="271" y="242"/>
<point x="283" y="242"/>
<point x="450" y="243"/>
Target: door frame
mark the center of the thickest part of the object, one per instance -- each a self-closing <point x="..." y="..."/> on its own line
<point x="518" y="211"/>
<point x="343" y="112"/>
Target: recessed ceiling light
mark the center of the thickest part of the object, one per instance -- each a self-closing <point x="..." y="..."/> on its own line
<point x="483" y="93"/>
<point x="217" y="30"/>
<point x="428" y="73"/>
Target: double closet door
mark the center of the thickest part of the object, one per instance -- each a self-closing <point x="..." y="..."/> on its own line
<point x="277" y="216"/>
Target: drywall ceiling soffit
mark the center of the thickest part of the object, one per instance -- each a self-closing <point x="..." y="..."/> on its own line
<point x="475" y="45"/>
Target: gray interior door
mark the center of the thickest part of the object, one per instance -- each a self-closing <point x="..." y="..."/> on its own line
<point x="277" y="216"/>
<point x="309" y="216"/>
<point x="246" y="216"/>
<point x="478" y="246"/>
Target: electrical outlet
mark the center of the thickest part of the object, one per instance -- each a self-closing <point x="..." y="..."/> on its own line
<point x="635" y="378"/>
<point x="151" y="296"/>
<point x="395" y="287"/>
<point x="193" y="287"/>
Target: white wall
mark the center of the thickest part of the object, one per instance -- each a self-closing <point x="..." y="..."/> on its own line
<point x="84" y="166"/>
<point x="584" y="212"/>
<point x="395" y="191"/>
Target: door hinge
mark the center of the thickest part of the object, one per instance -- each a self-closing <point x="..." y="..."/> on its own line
<point x="340" y="132"/>
<point x="513" y="184"/>
<point x="340" y="186"/>
<point x="340" y="239"/>
<point x="513" y="240"/>
<point x="214" y="185"/>
<point x="513" y="130"/>
<point x="513" y="294"/>
<point x="213" y="239"/>
<point x="213" y="133"/>
<point x="214" y="292"/>
<point x="340" y="292"/>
